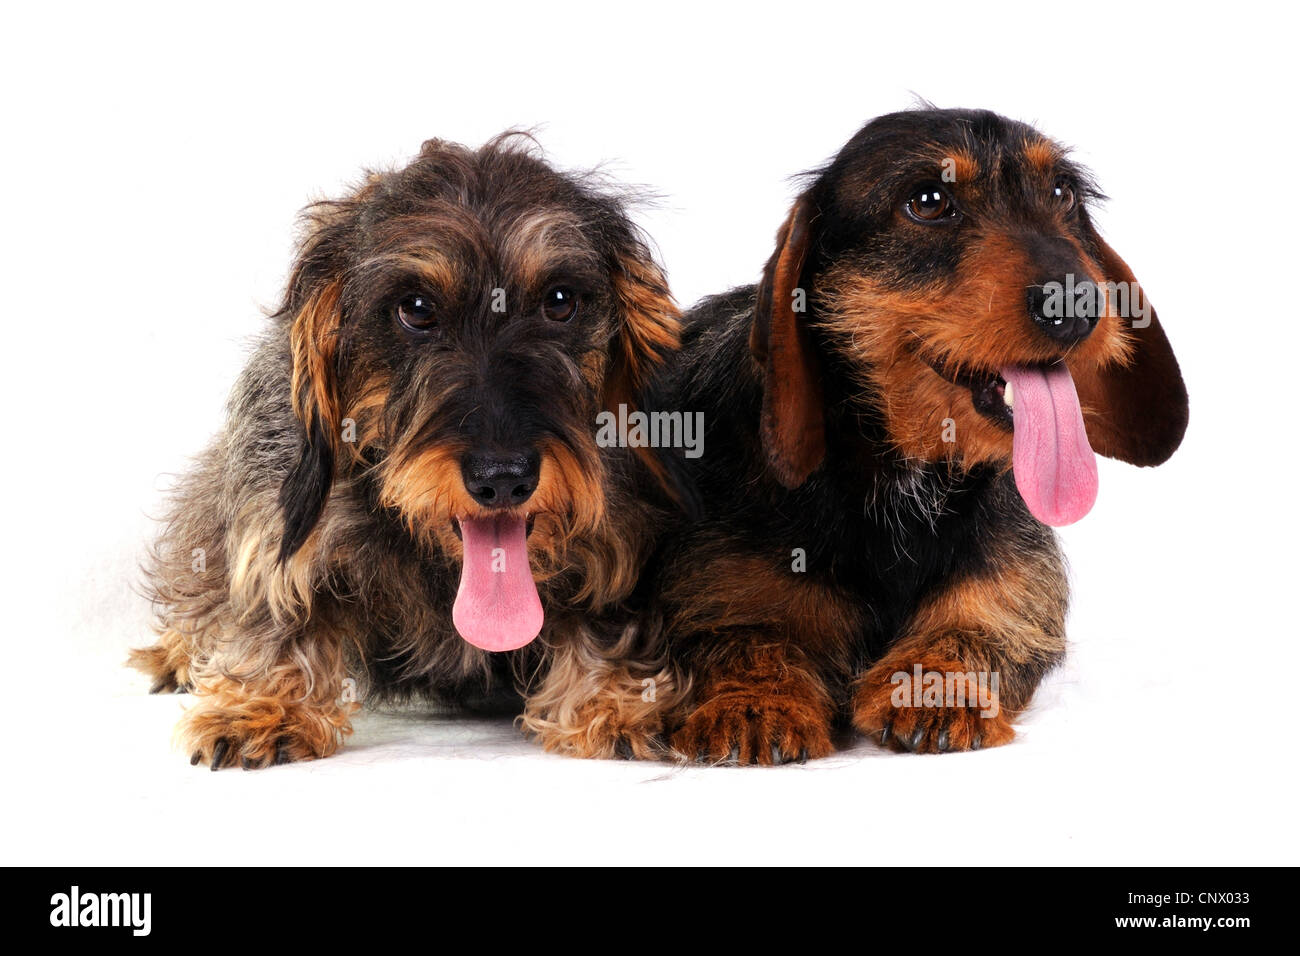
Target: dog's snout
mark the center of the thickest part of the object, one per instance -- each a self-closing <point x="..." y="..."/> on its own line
<point x="500" y="481"/>
<point x="1064" y="312"/>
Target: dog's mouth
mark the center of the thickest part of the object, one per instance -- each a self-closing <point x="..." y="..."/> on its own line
<point x="1055" y="467"/>
<point x="989" y="391"/>
<point x="529" y="521"/>
<point x="497" y="607"/>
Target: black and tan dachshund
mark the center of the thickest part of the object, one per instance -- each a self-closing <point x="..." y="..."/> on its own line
<point x="894" y="416"/>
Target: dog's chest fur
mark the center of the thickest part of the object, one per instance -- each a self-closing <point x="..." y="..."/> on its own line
<point x="875" y="531"/>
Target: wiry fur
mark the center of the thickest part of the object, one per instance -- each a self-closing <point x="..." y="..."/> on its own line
<point x="315" y="537"/>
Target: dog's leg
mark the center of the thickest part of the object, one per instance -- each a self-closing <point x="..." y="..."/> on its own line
<point x="186" y="583"/>
<point x="972" y="655"/>
<point x="760" y="651"/>
<point x="603" y="703"/>
<point x="166" y="664"/>
<point x="760" y="700"/>
<point x="260" y="647"/>
<point x="268" y="707"/>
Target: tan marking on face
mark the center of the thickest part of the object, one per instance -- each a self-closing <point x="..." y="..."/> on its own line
<point x="593" y="368"/>
<point x="567" y="509"/>
<point x="545" y="242"/>
<point x="436" y="270"/>
<point x="367" y="413"/>
<point x="1043" y="155"/>
<point x="977" y="323"/>
<point x="428" y="491"/>
<point x="964" y="166"/>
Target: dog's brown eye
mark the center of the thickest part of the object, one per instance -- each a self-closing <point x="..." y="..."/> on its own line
<point x="416" y="313"/>
<point x="560" y="304"/>
<point x="1063" y="192"/>
<point x="930" y="203"/>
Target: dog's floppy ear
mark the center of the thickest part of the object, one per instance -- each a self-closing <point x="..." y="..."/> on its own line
<point x="1136" y="410"/>
<point x="649" y="323"/>
<point x="313" y="341"/>
<point x="649" y="331"/>
<point x="793" y="417"/>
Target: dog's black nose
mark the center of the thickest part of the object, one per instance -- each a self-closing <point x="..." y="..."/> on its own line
<point x="500" y="481"/>
<point x="1065" y="312"/>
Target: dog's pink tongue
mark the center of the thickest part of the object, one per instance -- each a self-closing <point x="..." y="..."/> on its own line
<point x="1055" y="468"/>
<point x="496" y="607"/>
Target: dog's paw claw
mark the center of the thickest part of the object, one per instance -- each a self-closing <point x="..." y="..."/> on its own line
<point x="219" y="750"/>
<point x="257" y="734"/>
<point x="922" y="728"/>
<point x="744" y="729"/>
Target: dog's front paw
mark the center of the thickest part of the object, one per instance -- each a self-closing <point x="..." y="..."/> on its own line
<point x="166" y="663"/>
<point x="260" y="732"/>
<point x="933" y="707"/>
<point x="619" y="722"/>
<point x="750" y="727"/>
<point x="600" y="733"/>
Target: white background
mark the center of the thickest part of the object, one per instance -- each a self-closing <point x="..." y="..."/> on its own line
<point x="153" y="161"/>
